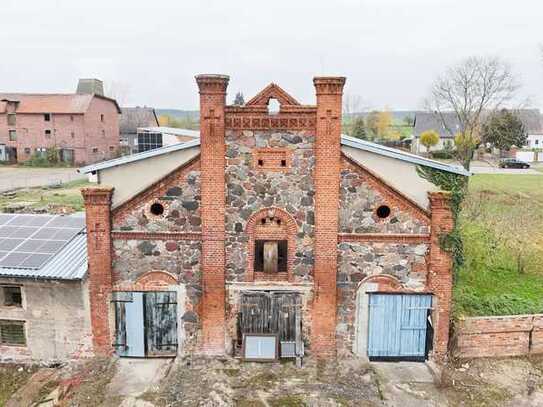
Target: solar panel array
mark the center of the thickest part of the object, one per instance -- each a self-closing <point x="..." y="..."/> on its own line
<point x="29" y="241"/>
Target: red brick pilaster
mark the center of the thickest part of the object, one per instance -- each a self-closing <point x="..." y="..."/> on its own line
<point x="440" y="275"/>
<point x="212" y="162"/>
<point x="98" y="221"/>
<point x="327" y="173"/>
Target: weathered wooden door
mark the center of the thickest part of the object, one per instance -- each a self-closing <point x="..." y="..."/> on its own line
<point x="398" y="326"/>
<point x="161" y="323"/>
<point x="146" y="324"/>
<point x="278" y="313"/>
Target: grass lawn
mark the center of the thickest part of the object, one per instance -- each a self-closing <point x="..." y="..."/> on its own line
<point x="67" y="195"/>
<point x="502" y="229"/>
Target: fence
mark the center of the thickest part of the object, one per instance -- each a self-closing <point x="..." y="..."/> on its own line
<point x="512" y="335"/>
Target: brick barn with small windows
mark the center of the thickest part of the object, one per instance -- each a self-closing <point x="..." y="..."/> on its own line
<point x="270" y="225"/>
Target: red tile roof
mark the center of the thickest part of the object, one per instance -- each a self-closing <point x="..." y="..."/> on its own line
<point x="50" y="102"/>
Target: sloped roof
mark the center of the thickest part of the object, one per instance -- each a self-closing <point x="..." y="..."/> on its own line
<point x="345" y="140"/>
<point x="139" y="156"/>
<point x="400" y="155"/>
<point x="134" y="117"/>
<point x="68" y="263"/>
<point x="55" y="103"/>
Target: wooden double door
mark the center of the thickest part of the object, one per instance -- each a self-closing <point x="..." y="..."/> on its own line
<point x="273" y="312"/>
<point x="145" y="324"/>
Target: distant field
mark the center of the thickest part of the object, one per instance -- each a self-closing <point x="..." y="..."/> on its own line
<point x="502" y="226"/>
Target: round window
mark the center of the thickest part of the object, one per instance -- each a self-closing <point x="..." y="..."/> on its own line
<point x="383" y="211"/>
<point x="157" y="209"/>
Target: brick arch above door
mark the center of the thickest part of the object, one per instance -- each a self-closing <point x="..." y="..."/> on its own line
<point x="270" y="224"/>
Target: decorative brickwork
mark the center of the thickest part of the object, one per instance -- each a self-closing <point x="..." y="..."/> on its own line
<point x="512" y="335"/>
<point x="99" y="249"/>
<point x="271" y="224"/>
<point x="327" y="176"/>
<point x="178" y="192"/>
<point x="212" y="152"/>
<point x="251" y="192"/>
<point x="440" y="275"/>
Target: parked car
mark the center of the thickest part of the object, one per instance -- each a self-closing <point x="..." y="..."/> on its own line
<point x="513" y="163"/>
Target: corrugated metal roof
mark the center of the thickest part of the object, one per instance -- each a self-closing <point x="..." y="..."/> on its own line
<point x="139" y="156"/>
<point x="70" y="263"/>
<point x="400" y="155"/>
<point x="345" y="140"/>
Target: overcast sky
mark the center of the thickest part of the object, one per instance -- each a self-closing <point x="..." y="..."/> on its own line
<point x="389" y="50"/>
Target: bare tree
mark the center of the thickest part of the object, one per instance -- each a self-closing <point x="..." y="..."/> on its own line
<point x="473" y="88"/>
<point x="352" y="104"/>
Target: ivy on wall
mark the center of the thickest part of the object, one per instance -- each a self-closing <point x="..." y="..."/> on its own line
<point x="457" y="186"/>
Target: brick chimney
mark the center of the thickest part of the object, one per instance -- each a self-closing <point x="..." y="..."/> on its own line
<point x="90" y="86"/>
<point x="327" y="173"/>
<point x="212" y="151"/>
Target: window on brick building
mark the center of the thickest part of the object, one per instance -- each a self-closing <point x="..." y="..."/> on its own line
<point x="47" y="133"/>
<point x="12" y="333"/>
<point x="12" y="135"/>
<point x="273" y="106"/>
<point x="95" y="150"/>
<point x="27" y="150"/>
<point x="11" y="119"/>
<point x="72" y="134"/>
<point x="12" y="296"/>
<point x="47" y="117"/>
<point x="270" y="256"/>
<point x="101" y="117"/>
<point x="111" y="148"/>
<point x="103" y="133"/>
<point x="71" y="117"/>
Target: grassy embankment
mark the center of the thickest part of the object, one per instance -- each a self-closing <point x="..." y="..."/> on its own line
<point x="65" y="195"/>
<point x="502" y="228"/>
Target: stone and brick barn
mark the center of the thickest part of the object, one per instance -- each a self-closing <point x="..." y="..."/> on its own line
<point x="271" y="223"/>
<point x="83" y="126"/>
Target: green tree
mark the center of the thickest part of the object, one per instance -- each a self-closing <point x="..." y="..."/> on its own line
<point x="358" y="128"/>
<point x="503" y="130"/>
<point x="429" y="139"/>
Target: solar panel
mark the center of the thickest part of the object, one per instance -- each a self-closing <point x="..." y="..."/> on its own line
<point x="29" y="241"/>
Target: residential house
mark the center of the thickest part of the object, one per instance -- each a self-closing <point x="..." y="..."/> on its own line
<point x="448" y="125"/>
<point x="82" y="126"/>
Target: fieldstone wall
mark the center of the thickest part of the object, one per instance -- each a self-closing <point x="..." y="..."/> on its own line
<point x="250" y="189"/>
<point x="181" y="202"/>
<point x="132" y="258"/>
<point x="359" y="200"/>
<point x="356" y="261"/>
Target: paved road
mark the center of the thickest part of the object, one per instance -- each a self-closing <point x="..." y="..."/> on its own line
<point x="496" y="170"/>
<point x="22" y="177"/>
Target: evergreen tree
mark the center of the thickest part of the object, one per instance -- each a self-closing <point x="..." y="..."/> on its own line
<point x="503" y="130"/>
<point x="358" y="129"/>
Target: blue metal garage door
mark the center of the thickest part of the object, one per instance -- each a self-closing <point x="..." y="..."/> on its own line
<point x="398" y="326"/>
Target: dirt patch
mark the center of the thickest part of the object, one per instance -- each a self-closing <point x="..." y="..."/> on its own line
<point x="229" y="382"/>
<point x="12" y="378"/>
<point x="495" y="382"/>
<point x="85" y="384"/>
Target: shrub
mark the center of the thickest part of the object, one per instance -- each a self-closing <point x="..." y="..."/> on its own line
<point x="443" y="154"/>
